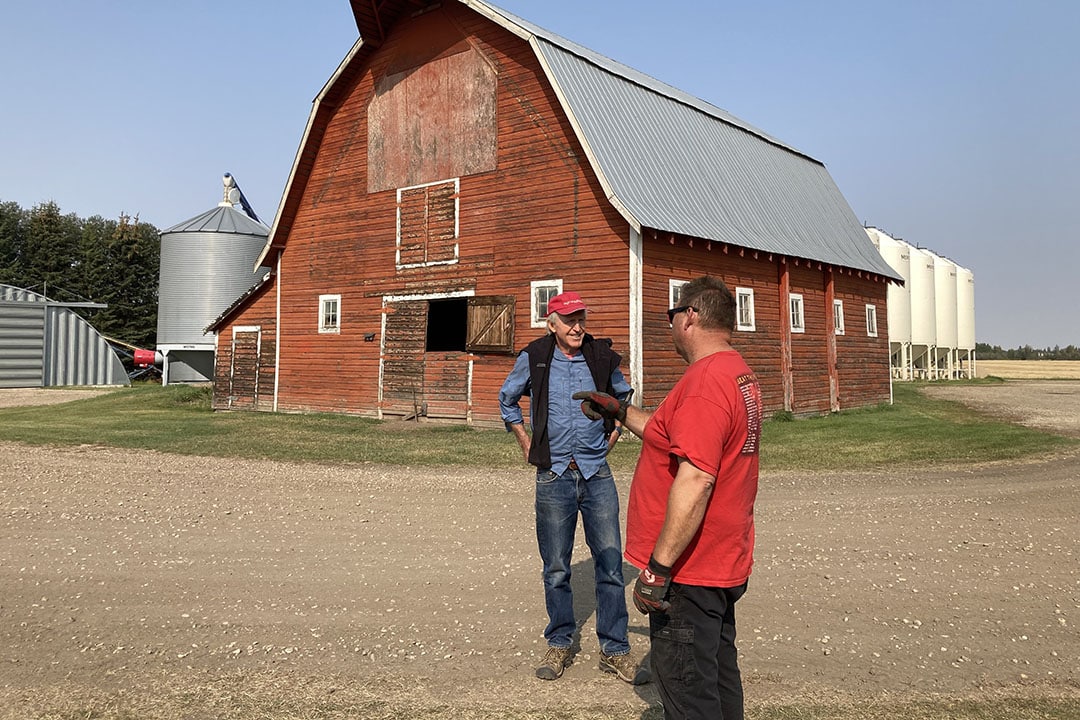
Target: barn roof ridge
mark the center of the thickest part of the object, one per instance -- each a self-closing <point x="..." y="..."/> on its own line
<point x="637" y="77"/>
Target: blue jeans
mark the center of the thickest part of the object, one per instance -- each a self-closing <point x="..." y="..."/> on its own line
<point x="559" y="499"/>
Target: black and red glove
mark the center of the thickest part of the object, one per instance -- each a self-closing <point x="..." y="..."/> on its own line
<point x="601" y="406"/>
<point x="651" y="588"/>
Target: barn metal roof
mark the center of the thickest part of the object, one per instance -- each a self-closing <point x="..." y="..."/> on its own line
<point x="667" y="161"/>
<point x="223" y="219"/>
<point x="677" y="164"/>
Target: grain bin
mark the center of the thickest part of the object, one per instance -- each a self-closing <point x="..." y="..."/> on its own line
<point x="206" y="264"/>
<point x="945" y="315"/>
<point x="923" y="312"/>
<point x="965" y="321"/>
<point x="897" y="254"/>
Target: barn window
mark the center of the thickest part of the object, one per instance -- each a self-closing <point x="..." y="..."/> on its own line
<point x="744" y="302"/>
<point x="798" y="322"/>
<point x="674" y="288"/>
<point x="542" y="292"/>
<point x="329" y="313"/>
<point x="473" y="324"/>
<point x="871" y="320"/>
<point x="446" y="323"/>
<point x="838" y="316"/>
<point x="427" y="225"/>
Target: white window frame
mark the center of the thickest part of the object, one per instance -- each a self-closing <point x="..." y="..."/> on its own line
<point x="838" y="316"/>
<point x="871" y="320"/>
<point x="457" y="225"/>
<point x="536" y="305"/>
<point x="332" y="327"/>
<point x="674" y="286"/>
<point x="744" y="295"/>
<point x="798" y="313"/>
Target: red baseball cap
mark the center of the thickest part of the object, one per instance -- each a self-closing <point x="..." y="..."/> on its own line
<point x="566" y="303"/>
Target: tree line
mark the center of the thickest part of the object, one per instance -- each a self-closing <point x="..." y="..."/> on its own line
<point x="71" y="259"/>
<point x="984" y="351"/>
<point x="67" y="258"/>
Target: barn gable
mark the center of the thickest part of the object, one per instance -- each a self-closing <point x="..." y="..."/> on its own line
<point x="459" y="167"/>
<point x="674" y="163"/>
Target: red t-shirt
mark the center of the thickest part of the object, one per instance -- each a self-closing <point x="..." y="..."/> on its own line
<point x="712" y="417"/>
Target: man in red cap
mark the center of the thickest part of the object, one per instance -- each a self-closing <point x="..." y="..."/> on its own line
<point x="572" y="476"/>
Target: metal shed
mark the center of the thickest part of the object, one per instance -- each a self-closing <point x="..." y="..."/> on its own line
<point x="44" y="343"/>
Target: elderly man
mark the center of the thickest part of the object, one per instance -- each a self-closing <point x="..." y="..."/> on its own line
<point x="572" y="478"/>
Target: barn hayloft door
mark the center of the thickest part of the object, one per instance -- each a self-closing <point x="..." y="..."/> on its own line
<point x="428" y="352"/>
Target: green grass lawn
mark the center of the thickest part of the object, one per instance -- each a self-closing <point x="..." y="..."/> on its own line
<point x="177" y="419"/>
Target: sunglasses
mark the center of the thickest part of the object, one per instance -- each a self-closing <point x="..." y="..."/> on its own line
<point x="676" y="310"/>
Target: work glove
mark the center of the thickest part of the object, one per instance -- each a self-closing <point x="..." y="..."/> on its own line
<point x="601" y="406"/>
<point x="651" y="588"/>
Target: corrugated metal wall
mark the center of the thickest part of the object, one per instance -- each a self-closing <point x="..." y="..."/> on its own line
<point x="22" y="343"/>
<point x="44" y="344"/>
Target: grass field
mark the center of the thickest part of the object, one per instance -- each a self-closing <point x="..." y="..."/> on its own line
<point x="177" y="419"/>
<point x="1029" y="369"/>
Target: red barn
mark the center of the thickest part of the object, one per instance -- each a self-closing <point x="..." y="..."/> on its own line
<point x="462" y="166"/>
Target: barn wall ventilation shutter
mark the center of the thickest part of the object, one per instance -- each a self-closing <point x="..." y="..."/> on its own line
<point x="491" y="324"/>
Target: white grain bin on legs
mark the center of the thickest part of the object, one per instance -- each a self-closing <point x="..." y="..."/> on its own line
<point x="923" y="313"/>
<point x="898" y="254"/>
<point x="965" y="323"/>
<point x="946" y="318"/>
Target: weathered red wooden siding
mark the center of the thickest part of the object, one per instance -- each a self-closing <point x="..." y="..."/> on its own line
<point x="259" y="313"/>
<point x="540" y="214"/>
<point x="809" y="349"/>
<point x="664" y="261"/>
<point x="862" y="361"/>
<point x="537" y="214"/>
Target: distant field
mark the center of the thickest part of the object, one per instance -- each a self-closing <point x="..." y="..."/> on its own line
<point x="1029" y="369"/>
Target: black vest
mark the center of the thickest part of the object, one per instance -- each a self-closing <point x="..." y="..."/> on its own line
<point x="602" y="362"/>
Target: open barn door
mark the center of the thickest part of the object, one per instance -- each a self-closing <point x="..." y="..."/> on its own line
<point x="429" y="346"/>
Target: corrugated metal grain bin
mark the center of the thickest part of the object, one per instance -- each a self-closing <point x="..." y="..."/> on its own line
<point x="206" y="264"/>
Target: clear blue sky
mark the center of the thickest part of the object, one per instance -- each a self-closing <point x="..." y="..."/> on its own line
<point x="953" y="124"/>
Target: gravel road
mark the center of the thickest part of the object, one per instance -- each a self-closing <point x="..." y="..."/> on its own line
<point x="167" y="586"/>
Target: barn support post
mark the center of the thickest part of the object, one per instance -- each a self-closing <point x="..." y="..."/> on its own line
<point x="277" y="330"/>
<point x="785" y="335"/>
<point x="830" y="341"/>
<point x="635" y="332"/>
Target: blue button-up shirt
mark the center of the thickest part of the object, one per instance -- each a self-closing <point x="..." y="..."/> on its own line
<point x="573" y="436"/>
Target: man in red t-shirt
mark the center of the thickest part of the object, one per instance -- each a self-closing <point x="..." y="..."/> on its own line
<point x="690" y="520"/>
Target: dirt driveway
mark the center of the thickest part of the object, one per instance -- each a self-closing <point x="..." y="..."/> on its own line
<point x="137" y="584"/>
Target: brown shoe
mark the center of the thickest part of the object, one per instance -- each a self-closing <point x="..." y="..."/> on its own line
<point x="555" y="659"/>
<point x="626" y="668"/>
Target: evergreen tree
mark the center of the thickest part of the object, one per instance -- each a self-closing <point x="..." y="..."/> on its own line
<point x="122" y="271"/>
<point x="50" y="254"/>
<point x="13" y="222"/>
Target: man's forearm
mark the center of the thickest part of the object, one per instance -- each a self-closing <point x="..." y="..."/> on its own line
<point x="687" y="502"/>
<point x="636" y="418"/>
